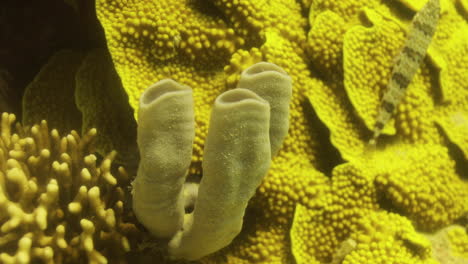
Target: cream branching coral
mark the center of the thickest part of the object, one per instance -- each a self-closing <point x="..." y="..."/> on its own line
<point x="247" y="128"/>
<point x="58" y="202"/>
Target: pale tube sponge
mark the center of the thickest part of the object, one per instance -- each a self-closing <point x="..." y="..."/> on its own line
<point x="236" y="158"/>
<point x="274" y="85"/>
<point x="166" y="130"/>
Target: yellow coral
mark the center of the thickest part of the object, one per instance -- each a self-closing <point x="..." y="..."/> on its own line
<point x="459" y="241"/>
<point x="205" y="44"/>
<point x="240" y="61"/>
<point x="48" y="96"/>
<point x="325" y="41"/>
<point x="452" y="114"/>
<point x="259" y="243"/>
<point x="368" y="54"/>
<point x="99" y="90"/>
<point x="57" y="203"/>
<point x="69" y="91"/>
<point x="367" y="66"/>
<point x="348" y="9"/>
<point x="383" y="237"/>
<point x="421" y="181"/>
<point x="450" y="245"/>
<point x="454" y="122"/>
<point x="316" y="233"/>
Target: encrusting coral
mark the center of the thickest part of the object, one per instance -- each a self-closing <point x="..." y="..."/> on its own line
<point x="48" y="95"/>
<point x="247" y="127"/>
<point x="383" y="237"/>
<point x="58" y="203"/>
<point x="450" y="245"/>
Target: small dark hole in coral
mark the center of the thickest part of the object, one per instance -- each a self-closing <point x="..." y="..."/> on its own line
<point x="385" y="202"/>
<point x="189" y="209"/>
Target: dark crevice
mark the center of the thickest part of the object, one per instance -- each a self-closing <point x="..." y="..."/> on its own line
<point x="461" y="163"/>
<point x="462" y="11"/>
<point x="436" y="88"/>
<point x="386" y="203"/>
<point x="399" y="9"/>
<point x="209" y="9"/>
<point x="329" y="155"/>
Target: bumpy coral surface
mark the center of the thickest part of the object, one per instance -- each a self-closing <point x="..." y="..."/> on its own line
<point x="339" y="55"/>
<point x="456" y="237"/>
<point x="78" y="90"/>
<point x="326" y="193"/>
<point x="58" y="203"/>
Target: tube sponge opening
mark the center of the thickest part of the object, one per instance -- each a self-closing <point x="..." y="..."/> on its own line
<point x="274" y="85"/>
<point x="237" y="157"/>
<point x="166" y="130"/>
<point x="236" y="96"/>
<point x="247" y="128"/>
<point x="158" y="89"/>
<point x="263" y="67"/>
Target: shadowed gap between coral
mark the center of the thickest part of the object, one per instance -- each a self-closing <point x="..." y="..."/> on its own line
<point x="208" y="8"/>
<point x="434" y="75"/>
<point x="461" y="164"/>
<point x="330" y="156"/>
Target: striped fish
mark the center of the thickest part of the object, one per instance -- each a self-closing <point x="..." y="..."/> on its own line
<point x="408" y="61"/>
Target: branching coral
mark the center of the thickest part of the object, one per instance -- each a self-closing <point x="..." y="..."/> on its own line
<point x="58" y="204"/>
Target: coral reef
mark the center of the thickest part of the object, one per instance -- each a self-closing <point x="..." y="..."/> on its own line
<point x="450" y="244"/>
<point x="325" y="191"/>
<point x="68" y="92"/>
<point x="340" y="58"/>
<point x="58" y="203"/>
<point x="419" y="36"/>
